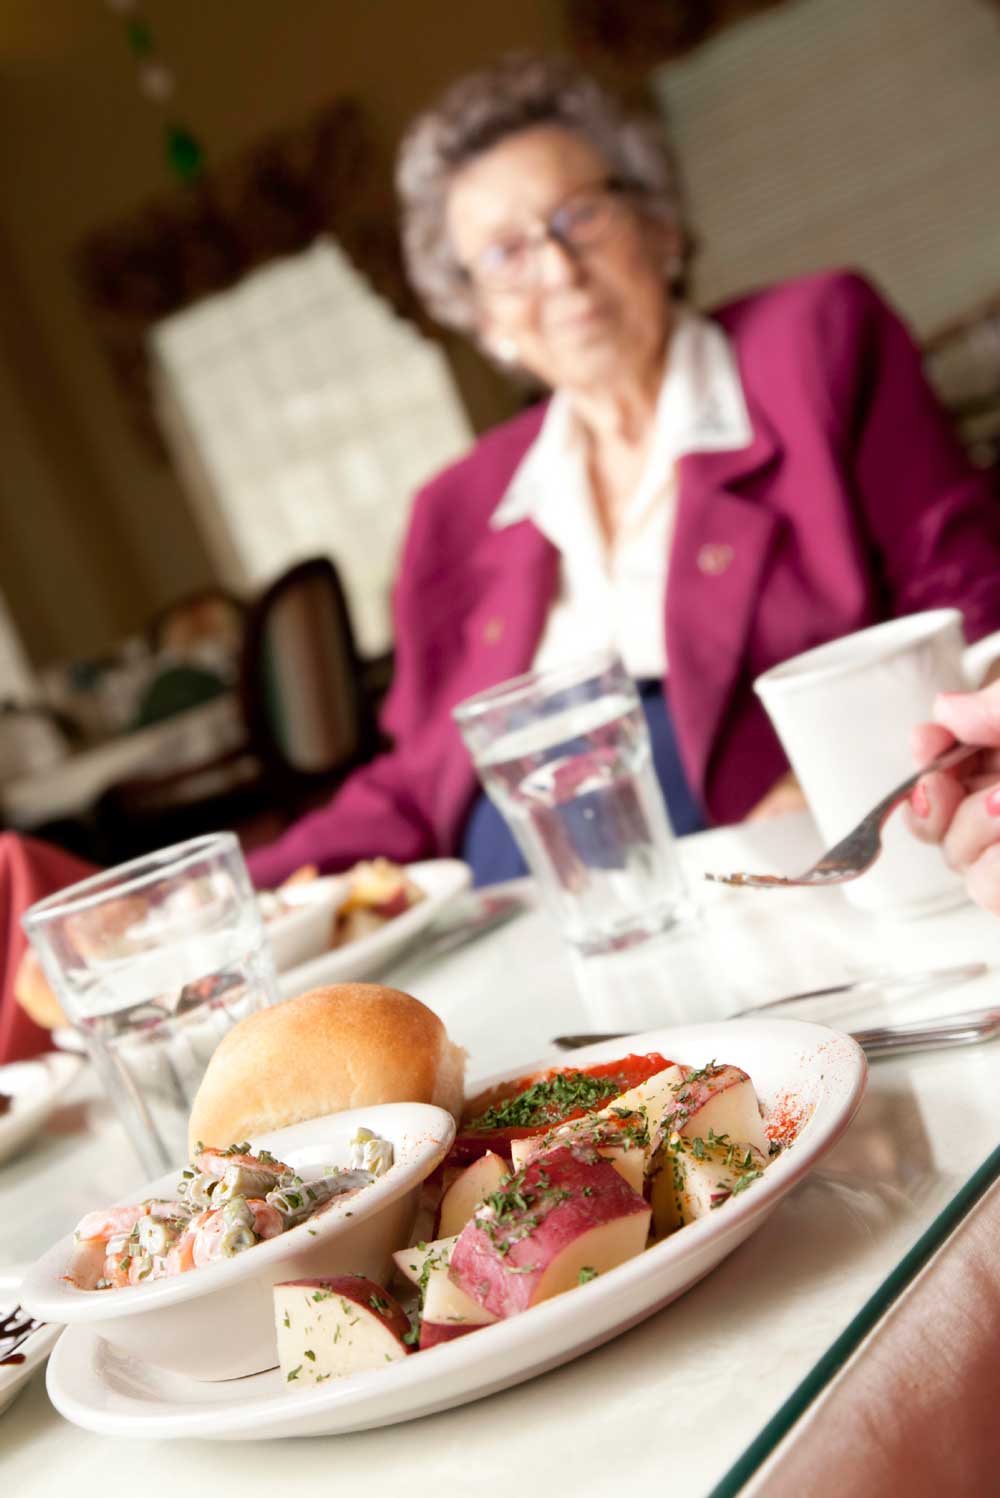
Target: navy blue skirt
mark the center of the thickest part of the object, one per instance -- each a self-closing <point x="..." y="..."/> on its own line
<point x="489" y="848"/>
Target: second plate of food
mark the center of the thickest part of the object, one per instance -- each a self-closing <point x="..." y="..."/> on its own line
<point x="438" y="879"/>
<point x="810" y="1082"/>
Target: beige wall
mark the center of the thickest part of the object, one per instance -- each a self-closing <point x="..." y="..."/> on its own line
<point x="847" y="132"/>
<point x="93" y="533"/>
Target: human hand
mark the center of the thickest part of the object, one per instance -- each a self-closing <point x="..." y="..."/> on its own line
<point x="784" y="795"/>
<point x="960" y="808"/>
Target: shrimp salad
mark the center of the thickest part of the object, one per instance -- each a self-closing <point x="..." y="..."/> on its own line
<point x="226" y="1201"/>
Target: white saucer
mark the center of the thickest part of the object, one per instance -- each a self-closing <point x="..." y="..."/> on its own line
<point x="798" y="1069"/>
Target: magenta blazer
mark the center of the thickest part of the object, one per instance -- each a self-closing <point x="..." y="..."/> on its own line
<point x="852" y="504"/>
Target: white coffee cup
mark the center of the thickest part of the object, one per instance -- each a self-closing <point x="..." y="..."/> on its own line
<point x="843" y="713"/>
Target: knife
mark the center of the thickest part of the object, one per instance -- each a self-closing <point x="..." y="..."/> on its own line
<point x="872" y="981"/>
<point x="888" y="1040"/>
<point x="875" y="981"/>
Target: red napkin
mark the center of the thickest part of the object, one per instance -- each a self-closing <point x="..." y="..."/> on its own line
<point x="29" y="870"/>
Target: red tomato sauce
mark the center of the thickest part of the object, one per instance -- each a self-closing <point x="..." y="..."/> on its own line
<point x="489" y="1123"/>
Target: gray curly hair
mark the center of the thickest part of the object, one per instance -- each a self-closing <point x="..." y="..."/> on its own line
<point x="482" y="109"/>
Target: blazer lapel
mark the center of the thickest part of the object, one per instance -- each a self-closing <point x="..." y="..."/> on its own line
<point x="515" y="573"/>
<point x="722" y="540"/>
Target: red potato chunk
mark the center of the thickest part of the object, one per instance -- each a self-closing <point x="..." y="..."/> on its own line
<point x="411" y="1262"/>
<point x="331" y="1328"/>
<point x="652" y="1096"/>
<point x="567" y="1216"/>
<point x="432" y="1333"/>
<point x="447" y="1312"/>
<point x="716" y="1099"/>
<point x="470" y="1187"/>
<point x="691" y="1177"/>
<point x="619" y="1135"/>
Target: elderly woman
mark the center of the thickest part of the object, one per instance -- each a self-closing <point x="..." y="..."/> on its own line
<point x="710" y="493"/>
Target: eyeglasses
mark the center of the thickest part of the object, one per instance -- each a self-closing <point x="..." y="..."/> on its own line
<point x="576" y="224"/>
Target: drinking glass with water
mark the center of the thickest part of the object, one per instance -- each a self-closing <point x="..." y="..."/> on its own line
<point x="565" y="756"/>
<point x="153" y="962"/>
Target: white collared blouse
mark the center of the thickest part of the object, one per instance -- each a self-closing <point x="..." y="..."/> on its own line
<point x="616" y="596"/>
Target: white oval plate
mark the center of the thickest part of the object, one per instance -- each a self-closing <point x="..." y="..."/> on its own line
<point x="795" y="1067"/>
<point x="441" y="879"/>
<point x="35" y="1086"/>
<point x="34" y="1349"/>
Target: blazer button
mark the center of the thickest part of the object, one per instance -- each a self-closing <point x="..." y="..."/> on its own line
<point x="493" y="630"/>
<point x="715" y="557"/>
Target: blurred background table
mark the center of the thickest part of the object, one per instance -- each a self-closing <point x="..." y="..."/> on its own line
<point x="69" y="788"/>
<point x="706" y="1389"/>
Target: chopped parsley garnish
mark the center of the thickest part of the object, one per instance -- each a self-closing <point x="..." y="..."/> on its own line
<point x="550" y="1100"/>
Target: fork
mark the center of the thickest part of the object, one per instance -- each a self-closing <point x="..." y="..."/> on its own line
<point x="855" y="853"/>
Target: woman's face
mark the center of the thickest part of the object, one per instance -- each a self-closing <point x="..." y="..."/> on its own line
<point x="582" y="316"/>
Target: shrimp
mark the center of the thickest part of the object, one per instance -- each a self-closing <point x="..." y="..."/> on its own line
<point x="111" y="1222"/>
<point x="114" y="1222"/>
<point x="86" y="1265"/>
<point x="215" y="1162"/>
<point x="267" y="1220"/>
<point x="215" y="1235"/>
<point x="116" y="1268"/>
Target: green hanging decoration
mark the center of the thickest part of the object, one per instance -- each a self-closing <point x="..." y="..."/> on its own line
<point x="140" y="38"/>
<point x="185" y="154"/>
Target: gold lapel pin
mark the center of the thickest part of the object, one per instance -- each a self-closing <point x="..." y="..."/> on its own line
<point x="714" y="557"/>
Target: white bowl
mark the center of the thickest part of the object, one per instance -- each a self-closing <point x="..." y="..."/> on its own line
<point x="306" y="929"/>
<point x="218" y="1321"/>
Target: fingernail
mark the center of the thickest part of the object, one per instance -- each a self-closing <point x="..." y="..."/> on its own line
<point x="993" y="802"/>
<point x="921" y="802"/>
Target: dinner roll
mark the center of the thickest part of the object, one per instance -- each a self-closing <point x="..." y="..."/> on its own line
<point x="34" y="994"/>
<point x="347" y="1046"/>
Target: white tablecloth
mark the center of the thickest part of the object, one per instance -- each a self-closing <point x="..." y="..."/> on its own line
<point x="674" y="1402"/>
